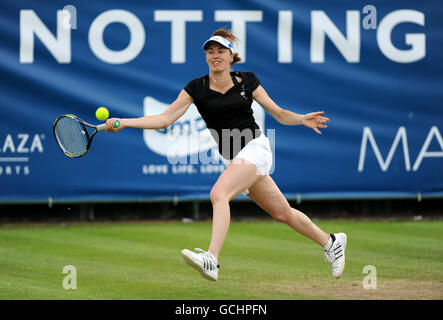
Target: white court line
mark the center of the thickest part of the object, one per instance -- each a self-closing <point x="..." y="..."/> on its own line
<point x="14" y="159"/>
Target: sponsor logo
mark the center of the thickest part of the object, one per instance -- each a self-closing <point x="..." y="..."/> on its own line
<point x="187" y="136"/>
<point x="322" y="27"/>
<point x="401" y="136"/>
<point x="188" y="144"/>
<point x="15" y="151"/>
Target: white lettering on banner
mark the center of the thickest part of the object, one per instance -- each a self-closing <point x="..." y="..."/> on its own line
<point x="136" y="39"/>
<point x="401" y="135"/>
<point x="348" y="45"/>
<point x="238" y="19"/>
<point x="367" y="135"/>
<point x="163" y="169"/>
<point x="9" y="145"/>
<point x="285" y="36"/>
<point x="416" y="41"/>
<point x="155" y="169"/>
<point x="15" y="149"/>
<point x="178" y="19"/>
<point x="424" y="149"/>
<point x="23" y="139"/>
<point x="16" y="169"/>
<point x="59" y="47"/>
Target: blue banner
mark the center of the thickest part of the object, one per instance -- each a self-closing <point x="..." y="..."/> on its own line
<point x="374" y="68"/>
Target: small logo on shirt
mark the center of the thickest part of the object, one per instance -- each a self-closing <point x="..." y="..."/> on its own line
<point x="243" y="94"/>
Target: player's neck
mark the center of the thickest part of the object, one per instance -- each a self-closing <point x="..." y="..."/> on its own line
<point x="220" y="77"/>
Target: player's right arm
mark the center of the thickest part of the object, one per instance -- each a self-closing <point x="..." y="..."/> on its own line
<point x="163" y="120"/>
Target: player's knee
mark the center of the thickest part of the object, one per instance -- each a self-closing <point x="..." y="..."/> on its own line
<point x="217" y="196"/>
<point x="282" y="214"/>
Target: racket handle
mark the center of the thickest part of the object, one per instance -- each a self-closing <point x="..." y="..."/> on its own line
<point x="102" y="126"/>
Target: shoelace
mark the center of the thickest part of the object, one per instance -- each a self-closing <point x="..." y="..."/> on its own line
<point x="208" y="261"/>
<point x="333" y="254"/>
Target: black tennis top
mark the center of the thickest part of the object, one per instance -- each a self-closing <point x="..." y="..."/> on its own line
<point x="229" y="116"/>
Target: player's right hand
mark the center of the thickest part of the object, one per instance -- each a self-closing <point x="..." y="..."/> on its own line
<point x="110" y="126"/>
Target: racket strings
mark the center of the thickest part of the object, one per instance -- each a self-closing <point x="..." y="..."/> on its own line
<point x="71" y="136"/>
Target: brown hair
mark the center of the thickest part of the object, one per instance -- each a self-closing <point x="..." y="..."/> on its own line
<point x="222" y="32"/>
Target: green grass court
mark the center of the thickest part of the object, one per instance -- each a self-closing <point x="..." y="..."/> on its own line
<point x="260" y="260"/>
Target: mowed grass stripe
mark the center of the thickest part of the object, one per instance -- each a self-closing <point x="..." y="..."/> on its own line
<point x="142" y="260"/>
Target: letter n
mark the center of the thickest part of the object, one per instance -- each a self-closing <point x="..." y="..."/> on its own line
<point x="59" y="47"/>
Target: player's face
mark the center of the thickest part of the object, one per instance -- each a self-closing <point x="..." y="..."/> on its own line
<point x="218" y="58"/>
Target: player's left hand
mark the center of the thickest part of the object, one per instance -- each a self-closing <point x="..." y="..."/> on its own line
<point x="315" y="120"/>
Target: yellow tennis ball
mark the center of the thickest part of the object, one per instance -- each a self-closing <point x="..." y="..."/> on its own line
<point x="102" y="113"/>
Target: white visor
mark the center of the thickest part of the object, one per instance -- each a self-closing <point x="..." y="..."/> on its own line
<point x="223" y="41"/>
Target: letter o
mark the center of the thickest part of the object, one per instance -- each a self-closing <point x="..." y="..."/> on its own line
<point x="136" y="32"/>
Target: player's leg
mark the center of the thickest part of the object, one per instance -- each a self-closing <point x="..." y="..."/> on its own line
<point x="238" y="176"/>
<point x="266" y="194"/>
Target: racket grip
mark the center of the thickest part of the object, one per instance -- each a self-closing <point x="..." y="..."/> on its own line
<point x="101" y="127"/>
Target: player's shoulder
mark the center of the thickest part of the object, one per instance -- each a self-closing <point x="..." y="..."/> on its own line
<point x="195" y="86"/>
<point x="250" y="80"/>
<point x="197" y="81"/>
<point x="246" y="74"/>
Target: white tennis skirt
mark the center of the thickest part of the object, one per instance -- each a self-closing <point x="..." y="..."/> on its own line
<point x="258" y="152"/>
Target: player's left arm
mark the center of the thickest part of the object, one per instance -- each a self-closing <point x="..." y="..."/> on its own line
<point x="312" y="120"/>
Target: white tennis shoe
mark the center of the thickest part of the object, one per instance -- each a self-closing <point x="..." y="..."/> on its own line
<point x="204" y="262"/>
<point x="335" y="254"/>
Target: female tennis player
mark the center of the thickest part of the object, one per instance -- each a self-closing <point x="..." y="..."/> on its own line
<point x="224" y="100"/>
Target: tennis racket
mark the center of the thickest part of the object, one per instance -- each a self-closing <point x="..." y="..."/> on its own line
<point x="72" y="135"/>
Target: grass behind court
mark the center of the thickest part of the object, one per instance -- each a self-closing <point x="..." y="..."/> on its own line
<point x="260" y="260"/>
